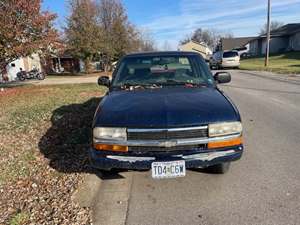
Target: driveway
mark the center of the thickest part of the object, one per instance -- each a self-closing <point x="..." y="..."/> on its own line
<point x="262" y="188"/>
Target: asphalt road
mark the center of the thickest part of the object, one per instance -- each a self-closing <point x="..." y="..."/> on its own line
<point x="262" y="188"/>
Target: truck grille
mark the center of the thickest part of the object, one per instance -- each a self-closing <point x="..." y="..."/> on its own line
<point x="141" y="149"/>
<point x="167" y="134"/>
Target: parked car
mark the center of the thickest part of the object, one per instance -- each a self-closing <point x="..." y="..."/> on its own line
<point x="226" y="59"/>
<point x="164" y="111"/>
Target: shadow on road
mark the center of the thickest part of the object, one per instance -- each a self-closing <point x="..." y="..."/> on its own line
<point x="112" y="175"/>
<point x="67" y="141"/>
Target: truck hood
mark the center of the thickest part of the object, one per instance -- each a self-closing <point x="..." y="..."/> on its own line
<point x="164" y="108"/>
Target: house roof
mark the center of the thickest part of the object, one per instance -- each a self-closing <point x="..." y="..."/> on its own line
<point x="286" y="30"/>
<point x="196" y="43"/>
<point x="199" y="43"/>
<point x="232" y="43"/>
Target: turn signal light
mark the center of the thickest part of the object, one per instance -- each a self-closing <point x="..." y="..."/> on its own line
<point x="227" y="143"/>
<point x="114" y="148"/>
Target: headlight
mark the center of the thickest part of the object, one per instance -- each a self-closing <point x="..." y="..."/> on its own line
<point x="221" y="129"/>
<point x="110" y="133"/>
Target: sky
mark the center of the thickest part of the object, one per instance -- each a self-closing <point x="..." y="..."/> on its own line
<point x="172" y="20"/>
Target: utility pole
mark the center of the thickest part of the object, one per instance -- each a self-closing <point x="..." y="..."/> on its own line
<point x="268" y="34"/>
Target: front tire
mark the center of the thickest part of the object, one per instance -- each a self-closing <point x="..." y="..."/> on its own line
<point x="22" y="78"/>
<point x="41" y="76"/>
<point x="221" y="168"/>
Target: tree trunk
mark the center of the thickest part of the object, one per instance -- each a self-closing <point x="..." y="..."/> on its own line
<point x="3" y="72"/>
<point x="87" y="65"/>
<point x="107" y="64"/>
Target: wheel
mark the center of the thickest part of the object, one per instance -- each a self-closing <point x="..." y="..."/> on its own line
<point x="221" y="168"/>
<point x="22" y="78"/>
<point x="41" y="76"/>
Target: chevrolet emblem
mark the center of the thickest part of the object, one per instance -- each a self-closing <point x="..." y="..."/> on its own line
<point x="169" y="144"/>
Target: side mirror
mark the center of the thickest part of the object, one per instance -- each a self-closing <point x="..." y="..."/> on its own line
<point x="222" y="77"/>
<point x="104" y="81"/>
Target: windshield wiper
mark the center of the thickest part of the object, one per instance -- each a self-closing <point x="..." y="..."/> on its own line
<point x="131" y="86"/>
<point x="185" y="83"/>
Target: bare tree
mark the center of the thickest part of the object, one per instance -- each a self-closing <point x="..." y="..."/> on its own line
<point x="205" y="36"/>
<point x="117" y="30"/>
<point x="102" y="28"/>
<point x="166" y="46"/>
<point x="142" y="41"/>
<point x="185" y="40"/>
<point x="210" y="37"/>
<point x="83" y="34"/>
<point x="274" y="26"/>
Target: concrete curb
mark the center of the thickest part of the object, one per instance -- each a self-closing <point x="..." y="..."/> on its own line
<point x="87" y="191"/>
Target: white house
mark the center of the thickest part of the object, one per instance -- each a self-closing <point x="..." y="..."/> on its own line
<point x="26" y="63"/>
<point x="194" y="46"/>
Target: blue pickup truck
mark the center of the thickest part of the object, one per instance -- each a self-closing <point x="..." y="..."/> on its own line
<point x="164" y="112"/>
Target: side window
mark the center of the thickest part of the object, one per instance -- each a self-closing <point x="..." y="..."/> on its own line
<point x="13" y="65"/>
<point x="184" y="61"/>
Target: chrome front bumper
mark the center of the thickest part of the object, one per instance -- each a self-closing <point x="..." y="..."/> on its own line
<point x="193" y="159"/>
<point x="201" y="156"/>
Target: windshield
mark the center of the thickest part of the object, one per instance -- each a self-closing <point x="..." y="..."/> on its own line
<point x="230" y="54"/>
<point x="162" y="70"/>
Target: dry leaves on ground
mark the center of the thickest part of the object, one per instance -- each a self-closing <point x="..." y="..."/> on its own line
<point x="44" y="137"/>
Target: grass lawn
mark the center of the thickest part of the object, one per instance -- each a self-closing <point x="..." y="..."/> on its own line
<point x="288" y="63"/>
<point x="44" y="138"/>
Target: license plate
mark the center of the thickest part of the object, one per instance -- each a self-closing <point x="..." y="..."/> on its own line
<point x="172" y="169"/>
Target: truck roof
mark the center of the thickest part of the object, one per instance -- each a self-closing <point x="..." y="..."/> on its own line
<point x="163" y="53"/>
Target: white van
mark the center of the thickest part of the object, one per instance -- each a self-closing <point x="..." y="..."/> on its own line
<point x="226" y="59"/>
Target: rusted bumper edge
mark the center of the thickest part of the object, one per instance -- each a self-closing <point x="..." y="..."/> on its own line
<point x="109" y="160"/>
